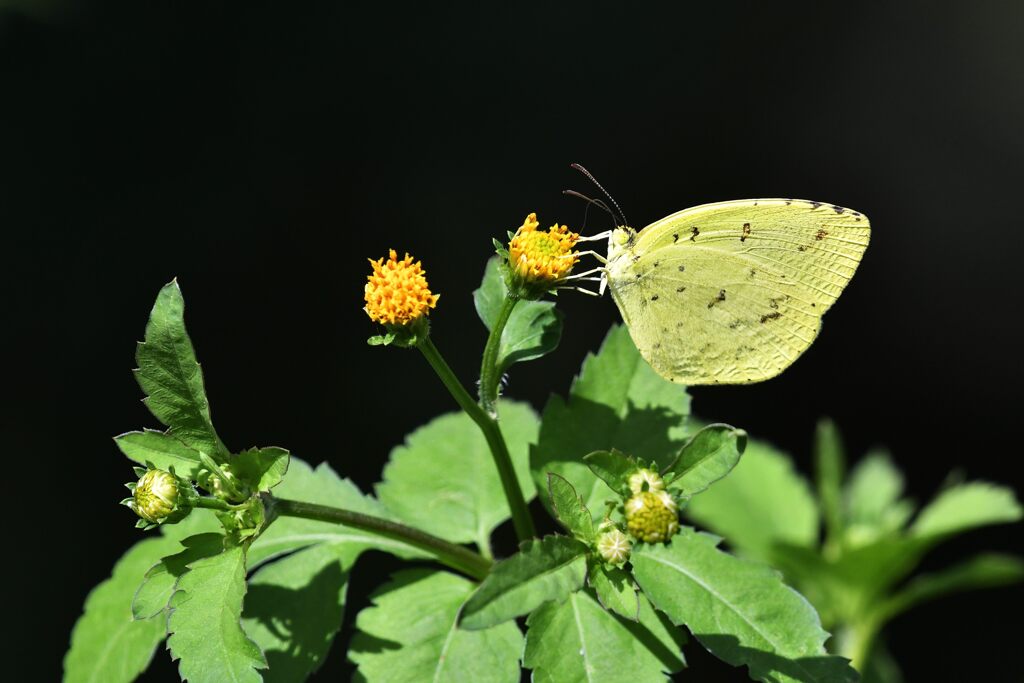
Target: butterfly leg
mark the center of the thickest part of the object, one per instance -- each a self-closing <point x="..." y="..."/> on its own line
<point x="591" y="252"/>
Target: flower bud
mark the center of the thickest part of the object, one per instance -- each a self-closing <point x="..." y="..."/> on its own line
<point x="613" y="546"/>
<point x="652" y="516"/>
<point x="155" y="496"/>
<point x="645" y="480"/>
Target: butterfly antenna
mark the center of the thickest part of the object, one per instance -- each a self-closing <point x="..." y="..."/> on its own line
<point x="592" y="179"/>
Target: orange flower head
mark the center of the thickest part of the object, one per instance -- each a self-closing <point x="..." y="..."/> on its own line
<point x="539" y="257"/>
<point x="396" y="293"/>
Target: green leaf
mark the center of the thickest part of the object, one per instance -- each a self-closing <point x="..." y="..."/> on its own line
<point x="161" y="450"/>
<point x="613" y="468"/>
<point x="741" y="611"/>
<point x="569" y="508"/>
<point x="543" y="570"/>
<point x="534" y="328"/>
<point x="577" y="641"/>
<point x="107" y="644"/>
<point x="615" y="589"/>
<point x="763" y="502"/>
<point x="829" y="468"/>
<point x="709" y="455"/>
<point x="296" y="605"/>
<point x="322" y="485"/>
<point x="618" y="401"/>
<point x="156" y="589"/>
<point x="205" y="627"/>
<point x="172" y="379"/>
<point x="872" y="502"/>
<point x="983" y="571"/>
<point x="261" y="468"/>
<point x="410" y="634"/>
<point x="966" y="507"/>
<point x="464" y="500"/>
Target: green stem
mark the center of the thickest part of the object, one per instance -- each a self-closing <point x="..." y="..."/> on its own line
<point x="450" y="554"/>
<point x="857" y="643"/>
<point x="490" y="375"/>
<point x="213" y="504"/>
<point x="489" y="426"/>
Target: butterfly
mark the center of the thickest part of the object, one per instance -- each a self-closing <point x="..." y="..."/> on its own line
<point x="732" y="292"/>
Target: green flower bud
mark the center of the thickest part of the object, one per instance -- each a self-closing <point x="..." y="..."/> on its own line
<point x="155" y="496"/>
<point x="652" y="516"/>
<point x="613" y="546"/>
<point x="645" y="480"/>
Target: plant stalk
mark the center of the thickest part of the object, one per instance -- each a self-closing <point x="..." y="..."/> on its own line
<point x="490" y="375"/>
<point x="495" y="441"/>
<point x="455" y="556"/>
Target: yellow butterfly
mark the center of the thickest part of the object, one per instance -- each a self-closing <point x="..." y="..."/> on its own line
<point x="732" y="292"/>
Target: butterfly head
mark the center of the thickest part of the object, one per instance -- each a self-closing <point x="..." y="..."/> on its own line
<point x="620" y="240"/>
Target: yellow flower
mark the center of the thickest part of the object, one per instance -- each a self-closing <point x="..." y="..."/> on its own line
<point x="397" y="292"/>
<point x="538" y="257"/>
<point x="652" y="516"/>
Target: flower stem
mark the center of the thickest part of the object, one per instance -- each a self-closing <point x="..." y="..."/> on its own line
<point x="490" y="375"/>
<point x="455" y="556"/>
<point x="495" y="441"/>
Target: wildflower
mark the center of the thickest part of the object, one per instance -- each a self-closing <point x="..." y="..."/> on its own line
<point x="397" y="292"/>
<point x="652" y="516"/>
<point x="155" y="496"/>
<point x="645" y="480"/>
<point x="612" y="545"/>
<point x="540" y="260"/>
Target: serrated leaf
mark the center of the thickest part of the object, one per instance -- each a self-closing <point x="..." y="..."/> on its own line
<point x="983" y="571"/>
<point x="613" y="468"/>
<point x="261" y="468"/>
<point x="709" y="455"/>
<point x="107" y="644"/>
<point x="830" y="469"/>
<point x="162" y="450"/>
<point x="410" y="634"/>
<point x="741" y="611"/>
<point x="548" y="569"/>
<point x="170" y="376"/>
<point x="871" y="500"/>
<point x="296" y="605"/>
<point x="533" y="329"/>
<point x="966" y="507"/>
<point x="322" y="485"/>
<point x="157" y="587"/>
<point x="762" y="503"/>
<point x="578" y="641"/>
<point x="614" y="589"/>
<point x="617" y="401"/>
<point x="569" y="509"/>
<point x="205" y="630"/>
<point x="465" y="500"/>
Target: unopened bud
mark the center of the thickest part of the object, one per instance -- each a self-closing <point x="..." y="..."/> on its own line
<point x="155" y="496"/>
<point x="613" y="546"/>
<point x="645" y="480"/>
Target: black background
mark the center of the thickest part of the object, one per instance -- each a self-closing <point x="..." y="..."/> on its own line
<point x="261" y="152"/>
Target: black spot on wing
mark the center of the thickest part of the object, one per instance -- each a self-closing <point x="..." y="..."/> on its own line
<point x="694" y="231"/>
<point x="815" y="205"/>
<point x="681" y="288"/>
<point x="774" y="315"/>
<point x="654" y="298"/>
<point x="838" y="209"/>
<point x="746" y="231"/>
<point x="719" y="297"/>
<point x="682" y="268"/>
<point x="822" y="234"/>
<point x="675" y="237"/>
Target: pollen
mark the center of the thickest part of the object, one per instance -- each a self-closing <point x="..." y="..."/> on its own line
<point x="542" y="257"/>
<point x="396" y="293"/>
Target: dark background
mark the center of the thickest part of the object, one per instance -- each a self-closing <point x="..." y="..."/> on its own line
<point x="261" y="152"/>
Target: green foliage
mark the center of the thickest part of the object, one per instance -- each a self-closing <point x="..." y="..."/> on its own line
<point x="965" y="507"/>
<point x="295" y="607"/>
<point x="613" y="468"/>
<point x="871" y="500"/>
<point x="410" y="634"/>
<point x="617" y="401"/>
<point x="543" y="570"/>
<point x="739" y="610"/>
<point x="578" y="641"/>
<point x="465" y="500"/>
<point x="261" y="468"/>
<point x="161" y="450"/>
<point x="159" y="583"/>
<point x="171" y="377"/>
<point x="709" y="455"/>
<point x="569" y="509"/>
<point x="534" y="328"/>
<point x="761" y="504"/>
<point x="830" y="467"/>
<point x="614" y="589"/>
<point x="204" y="626"/>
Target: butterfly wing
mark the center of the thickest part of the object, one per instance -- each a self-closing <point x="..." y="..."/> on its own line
<point x="734" y="292"/>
